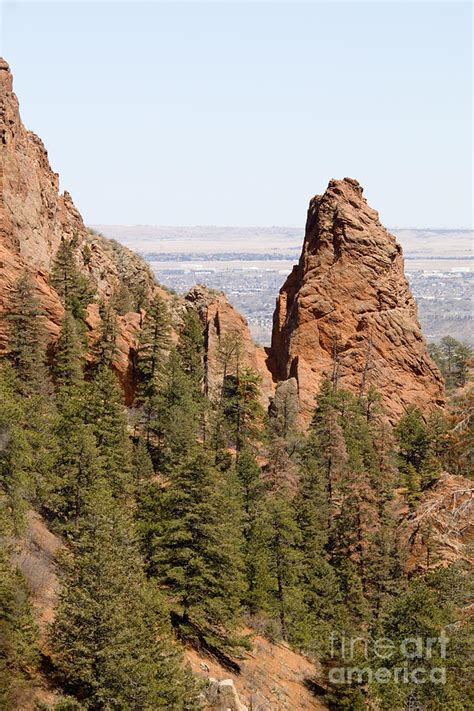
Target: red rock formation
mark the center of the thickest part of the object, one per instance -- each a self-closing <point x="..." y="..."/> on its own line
<point x="221" y="320"/>
<point x="348" y="295"/>
<point x="346" y="310"/>
<point x="33" y="219"/>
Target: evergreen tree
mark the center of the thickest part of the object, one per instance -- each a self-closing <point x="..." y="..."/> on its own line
<point x="142" y="465"/>
<point x="27" y="443"/>
<point x="457" y="457"/>
<point x="283" y="409"/>
<point x="255" y="533"/>
<point x="198" y="555"/>
<point x="69" y="355"/>
<point x="319" y="582"/>
<point x="284" y="563"/>
<point x="19" y="654"/>
<point x="175" y="423"/>
<point x="191" y="351"/>
<point x="148" y="503"/>
<point x="105" y="415"/>
<point x="327" y="444"/>
<point x="16" y="457"/>
<point x="240" y="408"/>
<point x="245" y="409"/>
<point x="150" y="523"/>
<point x="105" y="347"/>
<point x="229" y="357"/>
<point x="110" y="641"/>
<point x="425" y="616"/>
<point x="73" y="288"/>
<point x="452" y="358"/>
<point x="415" y="456"/>
<point x="352" y="453"/>
<point x="76" y="469"/>
<point x="155" y="342"/>
<point x="122" y="299"/>
<point x="27" y="337"/>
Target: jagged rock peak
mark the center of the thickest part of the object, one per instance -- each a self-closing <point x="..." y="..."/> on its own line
<point x="346" y="310"/>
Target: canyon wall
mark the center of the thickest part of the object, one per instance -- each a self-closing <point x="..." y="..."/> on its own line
<point x="35" y="217"/>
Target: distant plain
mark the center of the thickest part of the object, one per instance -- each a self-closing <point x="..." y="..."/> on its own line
<point x="250" y="265"/>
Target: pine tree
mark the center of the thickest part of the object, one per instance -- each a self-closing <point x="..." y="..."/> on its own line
<point x="283" y="410"/>
<point x="27" y="443"/>
<point x="240" y="406"/>
<point x="198" y="554"/>
<point x="74" y="290"/>
<point x="142" y="465"/>
<point x="155" y="342"/>
<point x="105" y="348"/>
<point x="359" y="484"/>
<point x="110" y="641"/>
<point x="255" y="532"/>
<point x="424" y="615"/>
<point x="246" y="411"/>
<point x="105" y="414"/>
<point x="415" y="456"/>
<point x="148" y="512"/>
<point x="15" y="452"/>
<point x="76" y="469"/>
<point x="327" y="443"/>
<point x="457" y="457"/>
<point x="452" y="358"/>
<point x="175" y="423"/>
<point x="19" y="654"/>
<point x="319" y="581"/>
<point x="27" y="337"/>
<point x="191" y="351"/>
<point x="229" y="362"/>
<point x="122" y="299"/>
<point x="284" y="563"/>
<point x="69" y="355"/>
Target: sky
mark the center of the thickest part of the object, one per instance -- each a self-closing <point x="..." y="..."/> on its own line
<point x="236" y="113"/>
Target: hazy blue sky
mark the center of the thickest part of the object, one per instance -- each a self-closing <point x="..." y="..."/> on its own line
<point x="237" y="113"/>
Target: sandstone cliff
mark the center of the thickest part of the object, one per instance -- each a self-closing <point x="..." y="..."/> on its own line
<point x="34" y="217"/>
<point x="346" y="311"/>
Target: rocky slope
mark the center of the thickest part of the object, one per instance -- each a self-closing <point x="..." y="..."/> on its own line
<point x="346" y="311"/>
<point x="440" y="530"/>
<point x="270" y="676"/>
<point x="34" y="217"/>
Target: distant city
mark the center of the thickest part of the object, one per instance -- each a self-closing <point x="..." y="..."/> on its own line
<point x="250" y="264"/>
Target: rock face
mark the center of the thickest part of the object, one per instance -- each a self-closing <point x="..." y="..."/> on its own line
<point x="221" y="321"/>
<point x="346" y="311"/>
<point x="34" y="218"/>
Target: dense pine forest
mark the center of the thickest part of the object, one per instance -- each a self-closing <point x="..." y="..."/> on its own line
<point x="195" y="517"/>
